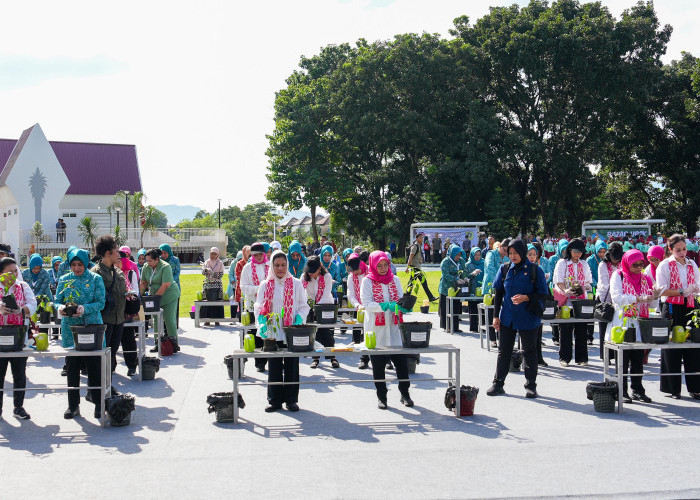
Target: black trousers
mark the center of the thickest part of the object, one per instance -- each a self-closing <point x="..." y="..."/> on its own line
<point x="259" y="342"/>
<point x="93" y="364"/>
<point x="528" y="341"/>
<point x="633" y="362"/>
<point x="591" y="331"/>
<point x="325" y="337"/>
<point x="673" y="359"/>
<point x="580" y="334"/>
<point x="19" y="378"/>
<point x="473" y="317"/>
<point x="129" y="346"/>
<point x="540" y="359"/>
<point x="113" y="336"/>
<point x="442" y="311"/>
<point x="357" y="338"/>
<point x="283" y="370"/>
<point x="555" y="333"/>
<point x="602" y="329"/>
<point x="379" y="372"/>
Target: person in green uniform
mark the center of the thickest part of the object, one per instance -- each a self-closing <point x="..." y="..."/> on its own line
<point x="158" y="279"/>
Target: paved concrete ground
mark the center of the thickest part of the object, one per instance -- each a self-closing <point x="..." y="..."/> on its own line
<point x="341" y="446"/>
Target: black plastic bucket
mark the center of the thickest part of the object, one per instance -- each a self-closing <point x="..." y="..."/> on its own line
<point x="300" y="338"/>
<point x="416" y="334"/>
<point x="212" y="294"/>
<point x="550" y="309"/>
<point x="12" y="337"/>
<point x="655" y="330"/>
<point x="583" y="308"/>
<point x="407" y="302"/>
<point x="151" y="303"/>
<point x="694" y="335"/>
<point x="326" y="313"/>
<point x="149" y="367"/>
<point x="45" y="317"/>
<point x="89" y="337"/>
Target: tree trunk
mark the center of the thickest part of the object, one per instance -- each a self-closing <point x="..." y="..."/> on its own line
<point x="314" y="229"/>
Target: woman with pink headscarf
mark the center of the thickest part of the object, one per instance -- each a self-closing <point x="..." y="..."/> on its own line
<point x="655" y="255"/>
<point x="357" y="270"/>
<point x="380" y="291"/>
<point x="632" y="294"/>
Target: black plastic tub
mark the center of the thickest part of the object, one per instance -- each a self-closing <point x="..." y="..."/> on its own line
<point x="300" y="338"/>
<point x="326" y="313"/>
<point x="12" y="337"/>
<point x="583" y="308"/>
<point x="88" y="337"/>
<point x="151" y="303"/>
<point x="212" y="294"/>
<point x="550" y="309"/>
<point x="416" y="334"/>
<point x="655" y="330"/>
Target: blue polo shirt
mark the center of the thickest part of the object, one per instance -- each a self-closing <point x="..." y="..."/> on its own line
<point x="519" y="282"/>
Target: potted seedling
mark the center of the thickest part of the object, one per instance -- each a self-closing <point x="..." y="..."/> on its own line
<point x="71" y="294"/>
<point x="44" y="308"/>
<point x="693" y="326"/>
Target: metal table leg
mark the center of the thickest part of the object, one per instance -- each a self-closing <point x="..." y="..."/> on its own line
<point x="196" y="315"/>
<point x="458" y="402"/>
<point x="235" y="396"/>
<point x="142" y="344"/>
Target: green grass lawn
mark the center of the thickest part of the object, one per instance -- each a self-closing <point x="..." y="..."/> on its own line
<point x="192" y="283"/>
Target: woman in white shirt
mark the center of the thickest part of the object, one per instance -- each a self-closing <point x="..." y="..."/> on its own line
<point x="609" y="264"/>
<point x="632" y="293"/>
<point x="679" y="281"/>
<point x="319" y="288"/>
<point x="281" y="291"/>
<point x="357" y="270"/>
<point x="572" y="270"/>
<point x="253" y="274"/>
<point x="380" y="292"/>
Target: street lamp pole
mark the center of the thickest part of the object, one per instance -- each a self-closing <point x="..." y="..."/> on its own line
<point x="118" y="210"/>
<point x="126" y="207"/>
<point x="219" y="213"/>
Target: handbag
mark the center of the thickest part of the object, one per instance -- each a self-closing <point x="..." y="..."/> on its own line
<point x="561" y="298"/>
<point x="605" y="311"/>
<point x="132" y="307"/>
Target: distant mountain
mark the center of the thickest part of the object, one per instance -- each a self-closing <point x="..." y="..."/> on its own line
<point x="176" y="213"/>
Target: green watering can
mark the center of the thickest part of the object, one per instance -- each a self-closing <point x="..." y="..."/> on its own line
<point x="479" y="292"/>
<point x="679" y="334"/>
<point x="370" y="340"/>
<point x="618" y="335"/>
<point x="41" y="340"/>
<point x="361" y="316"/>
<point x="249" y="343"/>
<point x="488" y="299"/>
<point x="565" y="312"/>
<point x="452" y="292"/>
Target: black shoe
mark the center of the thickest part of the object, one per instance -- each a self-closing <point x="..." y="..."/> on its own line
<point x="695" y="395"/>
<point x="335" y="363"/>
<point x="272" y="408"/>
<point x="495" y="389"/>
<point x="381" y="404"/>
<point x="542" y="363"/>
<point x="154" y="349"/>
<point x="21" y="413"/>
<point x="98" y="414"/>
<point x="389" y="366"/>
<point x="131" y="372"/>
<point x="640" y="396"/>
<point x="72" y="413"/>
<point x="626" y="399"/>
<point x="363" y="364"/>
<point x="407" y="401"/>
<point x="261" y="369"/>
<point x="83" y="372"/>
<point x="64" y="372"/>
<point x="530" y="393"/>
<point x="292" y="406"/>
<point x="433" y="299"/>
<point x="675" y="396"/>
<point x="314" y="363"/>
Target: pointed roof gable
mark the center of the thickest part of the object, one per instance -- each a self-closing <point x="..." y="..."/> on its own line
<point x="91" y="168"/>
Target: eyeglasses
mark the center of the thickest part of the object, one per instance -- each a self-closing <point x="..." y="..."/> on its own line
<point x="638" y="264"/>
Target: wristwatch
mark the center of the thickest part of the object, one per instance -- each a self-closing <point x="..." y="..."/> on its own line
<point x="680" y="291"/>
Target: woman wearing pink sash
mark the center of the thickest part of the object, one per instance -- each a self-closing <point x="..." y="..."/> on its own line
<point x="679" y="281"/>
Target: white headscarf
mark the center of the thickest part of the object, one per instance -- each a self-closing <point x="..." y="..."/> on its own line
<point x="276" y="245"/>
<point x="215" y="265"/>
<point x="271" y="272"/>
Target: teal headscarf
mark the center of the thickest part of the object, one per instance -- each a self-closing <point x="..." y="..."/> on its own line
<point x="324" y="250"/>
<point x="454" y="251"/>
<point x="57" y="258"/>
<point x="346" y="254"/>
<point x="598" y="245"/>
<point x="80" y="254"/>
<point x="561" y="246"/>
<point x="474" y="263"/>
<point x="296" y="266"/>
<point x="266" y="246"/>
<point x="165" y="247"/>
<point x="35" y="260"/>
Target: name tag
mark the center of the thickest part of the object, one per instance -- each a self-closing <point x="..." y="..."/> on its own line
<point x="327" y="314"/>
<point x="549" y="310"/>
<point x="419" y="336"/>
<point x="86" y="338"/>
<point x="7" y="340"/>
<point x="300" y="341"/>
<point x="587" y="309"/>
<point x="659" y="332"/>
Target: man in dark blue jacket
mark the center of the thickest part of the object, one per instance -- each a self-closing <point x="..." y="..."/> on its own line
<point x="520" y="288"/>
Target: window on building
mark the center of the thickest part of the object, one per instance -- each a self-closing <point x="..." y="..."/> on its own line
<point x="15" y="211"/>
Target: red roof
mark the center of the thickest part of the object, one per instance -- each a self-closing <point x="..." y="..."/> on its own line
<point x="90" y="168"/>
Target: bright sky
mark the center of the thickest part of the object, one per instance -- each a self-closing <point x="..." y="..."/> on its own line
<point x="192" y="84"/>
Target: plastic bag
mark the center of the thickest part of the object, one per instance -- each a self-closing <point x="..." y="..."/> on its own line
<point x="466" y="392"/>
<point x="222" y="400"/>
<point x="151" y="361"/>
<point x="119" y="407"/>
<point x="601" y="387"/>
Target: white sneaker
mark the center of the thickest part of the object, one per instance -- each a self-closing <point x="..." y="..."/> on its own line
<point x="563" y="363"/>
<point x="494" y="344"/>
<point x="583" y="363"/>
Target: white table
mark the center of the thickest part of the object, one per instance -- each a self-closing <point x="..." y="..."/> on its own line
<point x="628" y="346"/>
<point x="449" y="306"/>
<point x="158" y="328"/>
<point x="58" y="352"/>
<point x="198" y="304"/>
<point x="451" y="351"/>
